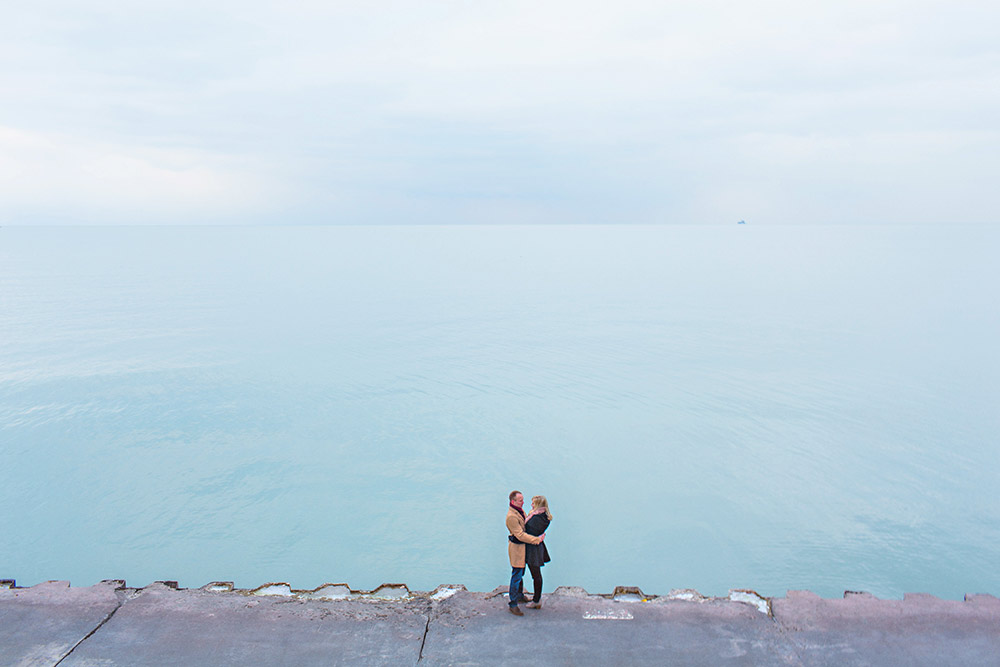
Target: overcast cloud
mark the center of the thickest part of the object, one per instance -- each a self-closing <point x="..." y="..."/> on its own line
<point x="499" y="112"/>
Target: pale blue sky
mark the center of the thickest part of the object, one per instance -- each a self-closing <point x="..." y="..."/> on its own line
<point x="499" y="112"/>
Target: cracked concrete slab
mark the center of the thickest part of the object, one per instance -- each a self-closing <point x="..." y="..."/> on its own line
<point x="917" y="630"/>
<point x="163" y="626"/>
<point x="110" y="624"/>
<point x="579" y="629"/>
<point x="42" y="624"/>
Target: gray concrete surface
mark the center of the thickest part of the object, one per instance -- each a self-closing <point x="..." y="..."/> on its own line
<point x="111" y="624"/>
<point x="162" y="626"/>
<point x="579" y="629"/>
<point x="41" y="624"/>
<point x="917" y="630"/>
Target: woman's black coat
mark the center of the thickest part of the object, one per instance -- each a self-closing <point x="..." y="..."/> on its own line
<point x="536" y="554"/>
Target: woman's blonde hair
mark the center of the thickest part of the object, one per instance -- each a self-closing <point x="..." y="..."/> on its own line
<point x="540" y="501"/>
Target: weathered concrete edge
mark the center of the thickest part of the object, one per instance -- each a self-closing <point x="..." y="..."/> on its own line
<point x="626" y="594"/>
<point x="392" y="591"/>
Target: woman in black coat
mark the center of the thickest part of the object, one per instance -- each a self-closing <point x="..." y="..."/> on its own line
<point x="536" y="555"/>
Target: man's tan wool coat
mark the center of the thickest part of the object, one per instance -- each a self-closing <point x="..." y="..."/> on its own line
<point x="515" y="524"/>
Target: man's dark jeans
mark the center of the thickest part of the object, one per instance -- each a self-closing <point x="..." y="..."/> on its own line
<point x="516" y="585"/>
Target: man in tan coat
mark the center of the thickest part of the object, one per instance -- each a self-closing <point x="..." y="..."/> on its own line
<point x="515" y="548"/>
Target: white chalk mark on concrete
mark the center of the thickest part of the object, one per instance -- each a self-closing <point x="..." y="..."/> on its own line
<point x="615" y="615"/>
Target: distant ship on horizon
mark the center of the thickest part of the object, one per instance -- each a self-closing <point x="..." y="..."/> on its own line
<point x="742" y="222"/>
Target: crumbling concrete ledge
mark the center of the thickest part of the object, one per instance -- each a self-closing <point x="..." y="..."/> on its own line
<point x="112" y="624"/>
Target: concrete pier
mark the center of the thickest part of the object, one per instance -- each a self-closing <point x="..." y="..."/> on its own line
<point x="113" y="624"/>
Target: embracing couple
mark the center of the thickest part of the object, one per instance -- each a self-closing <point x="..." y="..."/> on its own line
<point x="526" y="547"/>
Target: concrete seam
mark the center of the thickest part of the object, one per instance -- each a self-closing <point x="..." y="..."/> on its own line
<point x="794" y="646"/>
<point x="427" y="626"/>
<point x="91" y="633"/>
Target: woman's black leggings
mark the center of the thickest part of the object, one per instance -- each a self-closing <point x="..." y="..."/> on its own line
<point x="536" y="577"/>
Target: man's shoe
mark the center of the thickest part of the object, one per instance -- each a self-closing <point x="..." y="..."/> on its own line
<point x="534" y="605"/>
<point x="516" y="610"/>
<point x="524" y="598"/>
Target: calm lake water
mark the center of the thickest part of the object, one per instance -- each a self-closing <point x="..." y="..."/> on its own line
<point x="708" y="407"/>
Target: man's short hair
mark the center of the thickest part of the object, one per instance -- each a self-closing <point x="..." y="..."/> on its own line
<point x="514" y="493"/>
